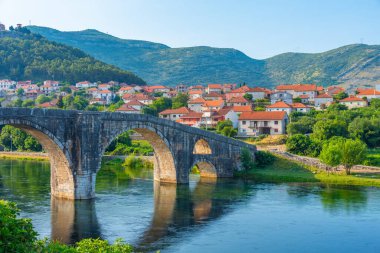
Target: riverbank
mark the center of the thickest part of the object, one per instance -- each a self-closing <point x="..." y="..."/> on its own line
<point x="39" y="156"/>
<point x="285" y="170"/>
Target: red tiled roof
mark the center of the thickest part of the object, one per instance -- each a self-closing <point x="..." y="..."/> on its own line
<point x="279" y="104"/>
<point x="244" y="108"/>
<point x="135" y="102"/>
<point x="126" y="108"/>
<point x="213" y="94"/>
<point x="299" y="105"/>
<point x="213" y="103"/>
<point x="181" y="110"/>
<point x="195" y="92"/>
<point x="366" y="92"/>
<point x="196" y="101"/>
<point x="238" y="100"/>
<point x="303" y="96"/>
<point x="324" y="96"/>
<point x="262" y="115"/>
<point x="298" y="87"/>
<point x="214" y="86"/>
<point x="351" y="99"/>
<point x="192" y="115"/>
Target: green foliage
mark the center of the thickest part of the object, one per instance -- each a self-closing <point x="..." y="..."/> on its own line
<point x="134" y="162"/>
<point x="263" y="158"/>
<point x="180" y="100"/>
<point x="367" y="130"/>
<point x="42" y="99"/>
<point x="32" y="57"/>
<point x="98" y="245"/>
<point x="28" y="103"/>
<point x="225" y="127"/>
<point x="325" y="129"/>
<point x="300" y="144"/>
<point x="16" y="234"/>
<point x="158" y="106"/>
<point x="12" y="138"/>
<point x="343" y="151"/>
<point x="20" y="92"/>
<point x="303" y="126"/>
<point x="246" y="159"/>
<point x="248" y="96"/>
<point x="297" y="100"/>
<point x="337" y="107"/>
<point x="341" y="95"/>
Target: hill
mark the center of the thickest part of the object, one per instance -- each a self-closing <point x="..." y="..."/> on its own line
<point x="26" y="56"/>
<point x="351" y="65"/>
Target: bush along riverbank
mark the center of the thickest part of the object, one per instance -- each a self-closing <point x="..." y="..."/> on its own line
<point x="273" y="168"/>
<point x="17" y="235"/>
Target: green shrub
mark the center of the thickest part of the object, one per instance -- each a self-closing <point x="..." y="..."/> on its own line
<point x="246" y="159"/>
<point x="263" y="158"/>
<point x="16" y="234"/>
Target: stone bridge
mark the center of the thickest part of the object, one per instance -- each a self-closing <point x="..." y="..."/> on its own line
<point x="76" y="140"/>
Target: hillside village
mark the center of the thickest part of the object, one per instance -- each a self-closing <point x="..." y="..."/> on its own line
<point x="252" y="110"/>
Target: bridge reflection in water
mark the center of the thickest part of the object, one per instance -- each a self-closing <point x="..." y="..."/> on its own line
<point x="176" y="208"/>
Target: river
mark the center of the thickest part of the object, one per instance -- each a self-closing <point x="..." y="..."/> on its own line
<point x="205" y="216"/>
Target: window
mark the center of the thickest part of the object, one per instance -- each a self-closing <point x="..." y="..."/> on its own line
<point x="276" y="130"/>
<point x="265" y="123"/>
<point x="243" y="122"/>
<point x="174" y="116"/>
<point x="276" y="122"/>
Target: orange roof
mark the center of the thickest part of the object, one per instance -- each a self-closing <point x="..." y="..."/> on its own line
<point x="156" y="87"/>
<point x="181" y="110"/>
<point x="135" y="102"/>
<point x="196" y="101"/>
<point x="213" y="103"/>
<point x="125" y="88"/>
<point x="303" y="96"/>
<point x="244" y="108"/>
<point x="298" y="87"/>
<point x="126" y="108"/>
<point x="262" y="115"/>
<point x="213" y="94"/>
<point x="104" y="85"/>
<point x="279" y="104"/>
<point x="195" y="92"/>
<point x="214" y="86"/>
<point x="242" y="89"/>
<point x="351" y="99"/>
<point x="93" y="89"/>
<point x="238" y="100"/>
<point x="324" y="96"/>
<point x="105" y="91"/>
<point x="299" y="105"/>
<point x="192" y="115"/>
<point x="366" y="92"/>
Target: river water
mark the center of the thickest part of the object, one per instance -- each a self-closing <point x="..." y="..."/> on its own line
<point x="204" y="216"/>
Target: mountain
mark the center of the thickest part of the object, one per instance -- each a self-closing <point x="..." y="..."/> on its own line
<point x="350" y="65"/>
<point x="25" y="56"/>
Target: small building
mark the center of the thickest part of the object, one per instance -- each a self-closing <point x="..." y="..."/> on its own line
<point x="214" y="88"/>
<point x="237" y="101"/>
<point x="212" y="105"/>
<point x="136" y="104"/>
<point x="127" y="109"/>
<point x="181" y="88"/>
<point x="85" y="85"/>
<point x="196" y="104"/>
<point x="281" y="96"/>
<point x="323" y="99"/>
<point x="192" y="119"/>
<point x="301" y="89"/>
<point x="368" y="93"/>
<point x="213" y="96"/>
<point x="299" y="107"/>
<point x="174" y="114"/>
<point x="193" y="94"/>
<point x="353" y="102"/>
<point x="279" y="106"/>
<point x="258" y="123"/>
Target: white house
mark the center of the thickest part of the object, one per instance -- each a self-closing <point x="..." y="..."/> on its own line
<point x="279" y="106"/>
<point x="214" y="88"/>
<point x="196" y="104"/>
<point x="323" y="99"/>
<point x="301" y="89"/>
<point x="85" y="85"/>
<point x="7" y="85"/>
<point x="353" y="102"/>
<point x="257" y="123"/>
<point x="174" y="114"/>
<point x="369" y="93"/>
<point x="281" y="96"/>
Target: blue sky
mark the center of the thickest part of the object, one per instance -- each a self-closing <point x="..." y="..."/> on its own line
<point x="259" y="28"/>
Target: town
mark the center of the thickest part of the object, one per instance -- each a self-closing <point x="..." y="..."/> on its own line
<point x="253" y="111"/>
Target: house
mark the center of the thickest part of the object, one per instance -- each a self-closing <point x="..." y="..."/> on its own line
<point x="281" y="96"/>
<point x="304" y="99"/>
<point x="105" y="95"/>
<point x="368" y="93"/>
<point x="51" y="83"/>
<point x="191" y="119"/>
<point x="6" y="85"/>
<point x="136" y="105"/>
<point x="334" y="90"/>
<point x="227" y="87"/>
<point x="323" y="99"/>
<point x="217" y="88"/>
<point x="257" y="123"/>
<point x="97" y="101"/>
<point x="50" y="104"/>
<point x="300" y="89"/>
<point x="240" y="109"/>
<point x="213" y="96"/>
<point x="279" y="106"/>
<point x="127" y="109"/>
<point x="174" y="114"/>
<point x="85" y="85"/>
<point x="193" y="94"/>
<point x="258" y="93"/>
<point x="239" y="92"/>
<point x="238" y="101"/>
<point x="299" y="107"/>
<point x="92" y="91"/>
<point x="196" y="104"/>
<point x="212" y="105"/>
<point x="156" y="89"/>
<point x="104" y="86"/>
<point x="126" y="89"/>
<point x="145" y="99"/>
<point x="181" y="88"/>
<point x="197" y="87"/>
<point x="353" y="102"/>
<point x="227" y="113"/>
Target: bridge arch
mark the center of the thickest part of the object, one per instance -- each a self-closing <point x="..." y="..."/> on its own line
<point x="164" y="163"/>
<point x="206" y="168"/>
<point x="201" y="146"/>
<point x="61" y="177"/>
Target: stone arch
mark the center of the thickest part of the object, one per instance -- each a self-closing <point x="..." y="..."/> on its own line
<point x="61" y="177"/>
<point x="164" y="163"/>
<point x="202" y="147"/>
<point x="206" y="168"/>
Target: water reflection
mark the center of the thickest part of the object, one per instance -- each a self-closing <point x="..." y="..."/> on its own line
<point x="334" y="198"/>
<point x="72" y="221"/>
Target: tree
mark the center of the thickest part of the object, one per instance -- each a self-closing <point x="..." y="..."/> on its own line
<point x="337" y="107"/>
<point x="297" y="100"/>
<point x="225" y="127"/>
<point x="28" y="103"/>
<point x="162" y="104"/>
<point x="60" y="102"/>
<point x="180" y="100"/>
<point x="341" y="95"/>
<point x="325" y="129"/>
<point x="248" y="96"/>
<point x="367" y="130"/>
<point x="20" y="92"/>
<point x="298" y="144"/>
<point x="343" y="151"/>
<point x="304" y="125"/>
<point x="42" y="99"/>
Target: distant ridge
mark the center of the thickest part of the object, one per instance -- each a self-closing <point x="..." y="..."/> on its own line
<point x="350" y="66"/>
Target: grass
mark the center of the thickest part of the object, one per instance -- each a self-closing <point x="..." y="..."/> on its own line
<point x="373" y="157"/>
<point x="283" y="170"/>
<point x="24" y="157"/>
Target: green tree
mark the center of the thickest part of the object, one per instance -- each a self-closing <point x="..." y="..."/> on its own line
<point x="248" y="96"/>
<point x="60" y="103"/>
<point x="298" y="144"/>
<point x="304" y="125"/>
<point x="28" y="103"/>
<point x="20" y="92"/>
<point x="341" y="95"/>
<point x="325" y="129"/>
<point x="42" y="99"/>
<point x="180" y="100"/>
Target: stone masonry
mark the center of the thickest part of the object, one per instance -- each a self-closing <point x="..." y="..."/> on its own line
<point x="76" y="140"/>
